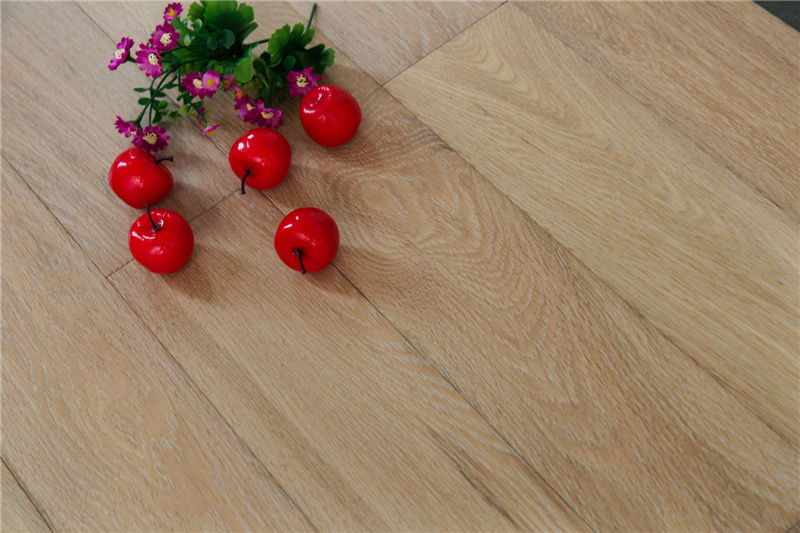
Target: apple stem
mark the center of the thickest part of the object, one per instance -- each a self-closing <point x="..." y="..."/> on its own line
<point x="150" y="217"/>
<point x="299" y="254"/>
<point x="244" y="178"/>
<point x="167" y="158"/>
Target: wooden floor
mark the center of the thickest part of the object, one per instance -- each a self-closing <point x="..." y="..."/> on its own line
<point x="567" y="296"/>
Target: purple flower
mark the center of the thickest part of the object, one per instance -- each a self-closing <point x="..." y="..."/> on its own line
<point x="209" y="130"/>
<point x="121" y="53"/>
<point x="165" y="38"/>
<point x="149" y="60"/>
<point x="152" y="138"/>
<point x="267" y="117"/>
<point x="201" y="86"/>
<point x="228" y="82"/>
<point x="300" y="83"/>
<point x="246" y="108"/>
<point x="211" y="81"/>
<point x="172" y="11"/>
<point x="126" y="128"/>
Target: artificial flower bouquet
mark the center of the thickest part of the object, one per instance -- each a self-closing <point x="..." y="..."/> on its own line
<point x="205" y="51"/>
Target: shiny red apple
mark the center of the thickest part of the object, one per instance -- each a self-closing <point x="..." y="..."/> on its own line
<point x="307" y="239"/>
<point x="161" y="240"/>
<point x="139" y="179"/>
<point x="330" y="115"/>
<point x="261" y="157"/>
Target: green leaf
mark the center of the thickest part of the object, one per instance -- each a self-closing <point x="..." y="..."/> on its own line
<point x="143" y="101"/>
<point x="161" y="104"/>
<point x="307" y="37"/>
<point x="226" y="38"/>
<point x="184" y="110"/>
<point x="212" y="43"/>
<point x="260" y="66"/>
<point x="196" y="11"/>
<point x="197" y="24"/>
<point x="140" y="89"/>
<point x="288" y="62"/>
<point x="219" y="10"/>
<point x="278" y="41"/>
<point x="179" y="26"/>
<point x="242" y="34"/>
<point x="244" y="70"/>
<point x="157" y="118"/>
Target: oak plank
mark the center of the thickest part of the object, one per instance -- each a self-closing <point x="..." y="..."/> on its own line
<point x="594" y="397"/>
<point x="359" y="428"/>
<point x="707" y="259"/>
<point x="101" y="425"/>
<point x="726" y="74"/>
<point x="385" y="38"/>
<point x="17" y="512"/>
<point x="63" y="148"/>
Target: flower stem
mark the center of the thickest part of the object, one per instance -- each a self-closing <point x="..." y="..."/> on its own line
<point x="313" y="10"/>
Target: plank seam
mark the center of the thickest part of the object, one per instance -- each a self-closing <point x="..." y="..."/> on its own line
<point x="456" y="389"/>
<point x="200" y="392"/>
<point x="658" y="117"/>
<point x="27" y="494"/>
<point x="737" y="396"/>
<point x="501" y="4"/>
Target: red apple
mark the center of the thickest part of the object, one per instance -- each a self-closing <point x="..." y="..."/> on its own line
<point x="138" y="178"/>
<point x="307" y="239"/>
<point x="161" y="240"/>
<point x="330" y="115"/>
<point x="261" y="157"/>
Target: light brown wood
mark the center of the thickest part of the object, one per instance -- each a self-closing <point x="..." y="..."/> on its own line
<point x="626" y="427"/>
<point x="63" y="148"/>
<point x="702" y="255"/>
<point x="385" y="38"/>
<point x="17" y="512"/>
<point x="794" y="529"/>
<point x="328" y="402"/>
<point x="725" y="74"/>
<point x="102" y="426"/>
<point x="359" y="428"/>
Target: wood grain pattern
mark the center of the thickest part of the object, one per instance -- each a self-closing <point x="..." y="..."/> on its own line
<point x="725" y="74"/>
<point x="64" y="148"/>
<point x="385" y="38"/>
<point x="619" y="421"/>
<point x="102" y="427"/>
<point x="17" y="512"/>
<point x="359" y="428"/>
<point x="706" y="258"/>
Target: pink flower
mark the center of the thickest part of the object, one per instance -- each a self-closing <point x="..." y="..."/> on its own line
<point x="172" y="11"/>
<point x="300" y="83"/>
<point x="228" y="82"/>
<point x="165" y="38"/>
<point x="126" y="128"/>
<point x="211" y="81"/>
<point x="201" y="86"/>
<point x="121" y="53"/>
<point x="149" y="60"/>
<point x="267" y="117"/>
<point x="246" y="108"/>
<point x="209" y="130"/>
<point x="201" y="117"/>
<point x="152" y="138"/>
